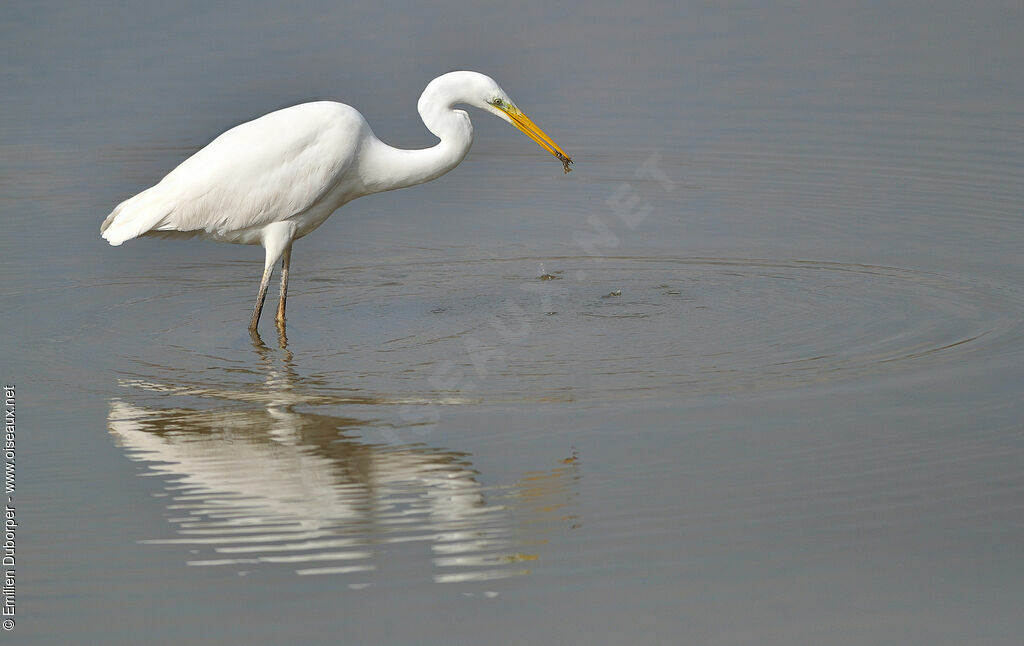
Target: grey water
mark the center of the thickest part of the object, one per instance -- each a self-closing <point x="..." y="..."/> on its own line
<point x="750" y="374"/>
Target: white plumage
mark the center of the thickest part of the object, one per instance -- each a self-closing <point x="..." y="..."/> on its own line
<point x="277" y="178"/>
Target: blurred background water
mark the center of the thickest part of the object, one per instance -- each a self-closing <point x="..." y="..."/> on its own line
<point x="751" y="373"/>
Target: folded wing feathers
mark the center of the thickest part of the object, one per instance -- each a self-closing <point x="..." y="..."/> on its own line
<point x="259" y="172"/>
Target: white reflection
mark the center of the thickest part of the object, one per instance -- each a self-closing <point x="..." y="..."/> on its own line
<point x="264" y="486"/>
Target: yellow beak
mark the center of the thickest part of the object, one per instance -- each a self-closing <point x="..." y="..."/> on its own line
<point x="531" y="130"/>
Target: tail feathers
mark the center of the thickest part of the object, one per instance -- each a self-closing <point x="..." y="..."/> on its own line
<point x="135" y="216"/>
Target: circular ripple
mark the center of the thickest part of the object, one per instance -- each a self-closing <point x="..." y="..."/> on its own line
<point x="575" y="328"/>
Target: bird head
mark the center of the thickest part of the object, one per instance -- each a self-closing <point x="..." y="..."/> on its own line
<point x="481" y="91"/>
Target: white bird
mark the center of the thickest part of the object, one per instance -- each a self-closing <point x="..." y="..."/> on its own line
<point x="277" y="178"/>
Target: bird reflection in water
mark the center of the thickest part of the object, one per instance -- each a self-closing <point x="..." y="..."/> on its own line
<point x="262" y="486"/>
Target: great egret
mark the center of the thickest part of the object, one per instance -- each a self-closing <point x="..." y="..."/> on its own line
<point x="277" y="178"/>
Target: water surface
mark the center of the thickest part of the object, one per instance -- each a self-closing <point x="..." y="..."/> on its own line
<point x="750" y="374"/>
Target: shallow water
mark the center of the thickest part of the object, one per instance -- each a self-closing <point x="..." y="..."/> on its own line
<point x="751" y="373"/>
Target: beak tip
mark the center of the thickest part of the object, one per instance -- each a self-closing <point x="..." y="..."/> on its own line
<point x="566" y="161"/>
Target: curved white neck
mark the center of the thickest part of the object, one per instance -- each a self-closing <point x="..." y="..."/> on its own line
<point x="397" y="168"/>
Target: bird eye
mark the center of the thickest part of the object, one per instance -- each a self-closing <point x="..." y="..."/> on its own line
<point x="499" y="102"/>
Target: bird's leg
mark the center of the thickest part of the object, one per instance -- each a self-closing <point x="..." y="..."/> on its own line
<point x="257" y="340"/>
<point x="276" y="238"/>
<point x="286" y="260"/>
<point x="264" y="284"/>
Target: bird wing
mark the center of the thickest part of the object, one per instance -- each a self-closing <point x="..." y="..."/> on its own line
<point x="266" y="170"/>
